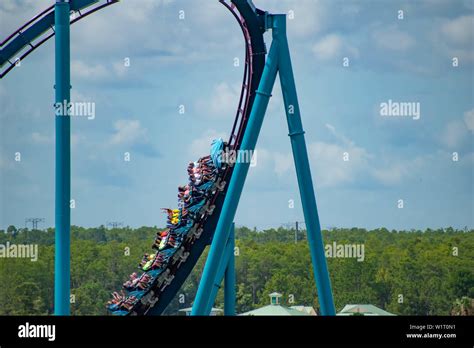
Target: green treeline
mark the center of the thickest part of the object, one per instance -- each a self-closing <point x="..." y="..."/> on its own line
<point x="404" y="272"/>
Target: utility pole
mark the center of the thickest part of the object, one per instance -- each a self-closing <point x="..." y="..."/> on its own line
<point x="289" y="225"/>
<point x="34" y="222"/>
<point x="298" y="224"/>
<point x="296" y="232"/>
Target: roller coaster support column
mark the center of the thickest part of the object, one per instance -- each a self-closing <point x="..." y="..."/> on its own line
<point x="229" y="278"/>
<point x="221" y="235"/>
<point x="303" y="172"/>
<point x="222" y="273"/>
<point x="63" y="161"/>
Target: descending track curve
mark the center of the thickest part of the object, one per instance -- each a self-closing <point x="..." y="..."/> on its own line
<point x="251" y="21"/>
<point x="40" y="29"/>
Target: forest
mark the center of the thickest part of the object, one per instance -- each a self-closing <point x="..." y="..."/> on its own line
<point x="414" y="272"/>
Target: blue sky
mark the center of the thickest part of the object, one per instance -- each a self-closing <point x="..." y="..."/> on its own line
<point x="190" y="62"/>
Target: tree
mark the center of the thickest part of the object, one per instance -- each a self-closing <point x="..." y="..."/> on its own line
<point x="12" y="231"/>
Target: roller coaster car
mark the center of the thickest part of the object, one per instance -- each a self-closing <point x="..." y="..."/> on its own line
<point x="159" y="238"/>
<point x="166" y="254"/>
<point x="154" y="273"/>
<point x="117" y="299"/>
<point x="197" y="207"/>
<point x="132" y="282"/>
<point x="121" y="301"/>
<point x="207" y="188"/>
<point x="129" y="303"/>
<point x="147" y="261"/>
<point x="183" y="230"/>
<point x="202" y="171"/>
<point x="175" y="216"/>
<point x="166" y="239"/>
<point x="159" y="261"/>
<point x="195" y="203"/>
<point x="193" y="192"/>
<point x="200" y="176"/>
<point x="138" y="282"/>
<point x="183" y="191"/>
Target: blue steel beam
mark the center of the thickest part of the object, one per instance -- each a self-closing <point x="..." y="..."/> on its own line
<point x="63" y="161"/>
<point x="303" y="171"/>
<point x="236" y="184"/>
<point x="229" y="279"/>
<point x="222" y="272"/>
<point x="278" y="60"/>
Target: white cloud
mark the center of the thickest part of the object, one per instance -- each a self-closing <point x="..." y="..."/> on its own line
<point x="282" y="163"/>
<point x="333" y="46"/>
<point x="459" y="31"/>
<point x="39" y="138"/>
<point x="80" y="69"/>
<point x="128" y="132"/>
<point x="330" y="167"/>
<point x="328" y="47"/>
<point x="341" y="137"/>
<point x="15" y="13"/>
<point x="455" y="38"/>
<point x="393" y="39"/>
<point x="154" y="30"/>
<point x="331" y="170"/>
<point x="395" y="172"/>
<point x="469" y="119"/>
<point x="222" y="103"/>
<point x="120" y="69"/>
<point x="201" y="146"/>
<point x="454" y="134"/>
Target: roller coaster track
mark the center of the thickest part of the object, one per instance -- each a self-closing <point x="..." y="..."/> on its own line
<point x="40" y="29"/>
<point x="252" y="23"/>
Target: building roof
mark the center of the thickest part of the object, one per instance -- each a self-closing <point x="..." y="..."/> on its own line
<point x="306" y="309"/>
<point x="365" y="309"/>
<point x="189" y="309"/>
<point x="275" y="294"/>
<point x="275" y="310"/>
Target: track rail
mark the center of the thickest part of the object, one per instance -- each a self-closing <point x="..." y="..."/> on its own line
<point x="40" y="29"/>
<point x="161" y="295"/>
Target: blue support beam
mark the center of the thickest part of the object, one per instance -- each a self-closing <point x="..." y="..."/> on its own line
<point x="229" y="250"/>
<point x="63" y="161"/>
<point x="229" y="278"/>
<point x="303" y="171"/>
<point x="236" y="184"/>
<point x="278" y="60"/>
